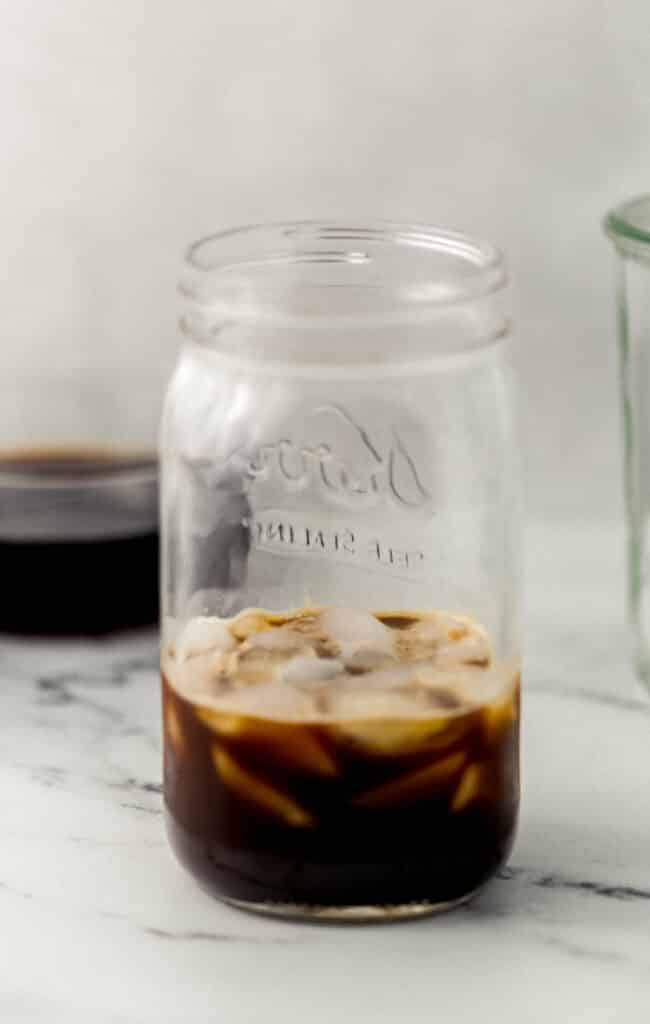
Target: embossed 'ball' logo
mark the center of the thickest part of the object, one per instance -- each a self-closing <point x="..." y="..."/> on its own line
<point x="351" y="463"/>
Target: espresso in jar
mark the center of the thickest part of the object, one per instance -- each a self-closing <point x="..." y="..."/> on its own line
<point x="335" y="757"/>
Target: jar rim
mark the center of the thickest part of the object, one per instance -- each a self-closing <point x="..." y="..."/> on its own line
<point x="628" y="225"/>
<point x="374" y="271"/>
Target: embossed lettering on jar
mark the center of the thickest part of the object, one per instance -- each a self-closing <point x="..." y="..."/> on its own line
<point x="340" y="637"/>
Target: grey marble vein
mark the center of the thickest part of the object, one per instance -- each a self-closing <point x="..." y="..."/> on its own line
<point x="559" y="882"/>
<point x="570" y="691"/>
<point x="225" y="936"/>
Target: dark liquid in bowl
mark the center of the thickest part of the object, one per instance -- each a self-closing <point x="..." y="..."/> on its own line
<point x="77" y="529"/>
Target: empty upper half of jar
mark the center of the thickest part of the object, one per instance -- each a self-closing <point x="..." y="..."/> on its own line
<point x="330" y="293"/>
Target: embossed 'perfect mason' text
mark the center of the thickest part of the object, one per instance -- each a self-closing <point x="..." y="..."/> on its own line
<point x="389" y="473"/>
<point x="282" y="535"/>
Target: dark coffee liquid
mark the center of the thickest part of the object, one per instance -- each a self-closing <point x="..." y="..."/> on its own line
<point x="433" y="839"/>
<point x="78" y="542"/>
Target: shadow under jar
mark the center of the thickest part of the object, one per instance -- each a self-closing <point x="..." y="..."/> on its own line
<point x="340" y="571"/>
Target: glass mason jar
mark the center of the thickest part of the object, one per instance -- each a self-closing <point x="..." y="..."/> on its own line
<point x="340" y="571"/>
<point x="628" y="226"/>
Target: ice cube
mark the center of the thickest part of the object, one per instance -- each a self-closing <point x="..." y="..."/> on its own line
<point x="203" y="675"/>
<point x="473" y="648"/>
<point x="262" y="656"/>
<point x="442" y="698"/>
<point x="488" y="685"/>
<point x="474" y="785"/>
<point x="281" y="638"/>
<point x="388" y="723"/>
<point x="258" y="792"/>
<point x="394" y="677"/>
<point x="249" y="667"/>
<point x="470" y="686"/>
<point x="366" y="660"/>
<point x="348" y="703"/>
<point x="276" y="701"/>
<point x="293" y="746"/>
<point x="306" y="629"/>
<point x="204" y="634"/>
<point x="354" y="630"/>
<point x="421" y="640"/>
<point x="264" y="647"/>
<point x="249" y="622"/>
<point x="385" y="724"/>
<point x="413" y="786"/>
<point x="501" y="714"/>
<point x="173" y="729"/>
<point x="305" y="670"/>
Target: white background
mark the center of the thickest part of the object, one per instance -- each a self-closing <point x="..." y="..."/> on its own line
<point x="132" y="126"/>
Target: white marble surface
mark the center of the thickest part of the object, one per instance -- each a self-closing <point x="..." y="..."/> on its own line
<point x="99" y="925"/>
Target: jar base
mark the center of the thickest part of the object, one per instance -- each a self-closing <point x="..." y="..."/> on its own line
<point x="341" y="897"/>
<point x="350" y="914"/>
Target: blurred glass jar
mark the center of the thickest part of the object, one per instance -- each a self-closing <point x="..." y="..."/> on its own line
<point x="79" y="412"/>
<point x="628" y="226"/>
<point x="338" y="453"/>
